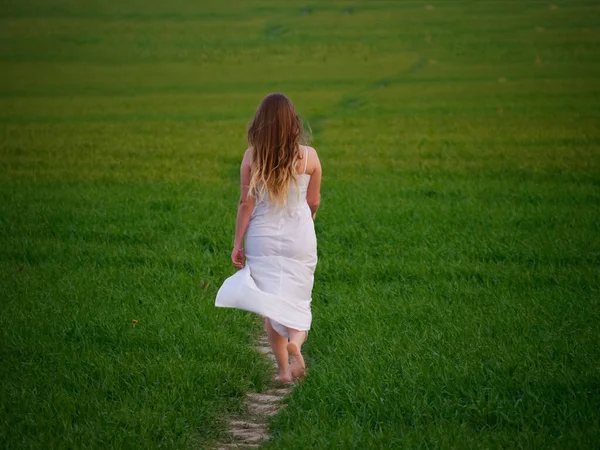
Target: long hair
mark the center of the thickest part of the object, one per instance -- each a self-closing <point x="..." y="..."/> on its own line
<point x="274" y="134"/>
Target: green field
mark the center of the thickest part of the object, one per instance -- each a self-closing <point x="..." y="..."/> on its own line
<point x="456" y="300"/>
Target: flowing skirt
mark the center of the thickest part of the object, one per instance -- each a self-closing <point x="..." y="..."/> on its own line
<point x="277" y="279"/>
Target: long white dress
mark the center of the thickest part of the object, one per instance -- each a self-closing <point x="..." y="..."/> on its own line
<point x="281" y="256"/>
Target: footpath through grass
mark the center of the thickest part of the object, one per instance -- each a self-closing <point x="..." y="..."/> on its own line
<point x="456" y="299"/>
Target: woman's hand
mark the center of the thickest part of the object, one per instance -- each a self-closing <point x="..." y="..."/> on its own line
<point x="237" y="258"/>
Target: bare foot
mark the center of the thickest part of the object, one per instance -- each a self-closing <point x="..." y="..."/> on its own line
<point x="296" y="361"/>
<point x="284" y="379"/>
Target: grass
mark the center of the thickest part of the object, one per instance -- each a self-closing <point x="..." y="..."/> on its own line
<point x="456" y="297"/>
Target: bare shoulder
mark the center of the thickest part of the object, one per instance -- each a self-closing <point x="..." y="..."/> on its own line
<point x="313" y="160"/>
<point x="247" y="160"/>
<point x="312" y="153"/>
<point x="311" y="150"/>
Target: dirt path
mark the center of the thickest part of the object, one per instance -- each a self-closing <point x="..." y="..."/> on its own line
<point x="251" y="431"/>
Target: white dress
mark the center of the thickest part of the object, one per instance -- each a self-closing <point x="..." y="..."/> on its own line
<point x="281" y="256"/>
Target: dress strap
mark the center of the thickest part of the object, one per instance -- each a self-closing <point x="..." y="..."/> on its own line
<point x="305" y="159"/>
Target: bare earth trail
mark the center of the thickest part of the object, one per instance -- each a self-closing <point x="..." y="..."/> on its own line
<point x="251" y="430"/>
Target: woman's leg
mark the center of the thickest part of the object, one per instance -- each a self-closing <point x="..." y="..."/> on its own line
<point x="297" y="338"/>
<point x="278" y="344"/>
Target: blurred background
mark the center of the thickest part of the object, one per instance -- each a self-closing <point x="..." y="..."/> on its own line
<point x="456" y="297"/>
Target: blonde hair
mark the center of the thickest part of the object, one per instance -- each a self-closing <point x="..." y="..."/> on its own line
<point x="274" y="134"/>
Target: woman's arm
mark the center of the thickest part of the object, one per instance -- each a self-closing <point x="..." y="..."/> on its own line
<point x="245" y="208"/>
<point x="313" y="194"/>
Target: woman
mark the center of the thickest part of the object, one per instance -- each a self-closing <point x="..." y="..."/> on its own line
<point x="280" y="195"/>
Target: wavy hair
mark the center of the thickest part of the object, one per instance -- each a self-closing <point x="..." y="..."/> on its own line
<point x="274" y="134"/>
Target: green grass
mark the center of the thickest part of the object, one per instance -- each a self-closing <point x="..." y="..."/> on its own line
<point x="456" y="299"/>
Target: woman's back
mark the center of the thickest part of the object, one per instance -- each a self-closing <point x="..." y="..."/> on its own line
<point x="297" y="191"/>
